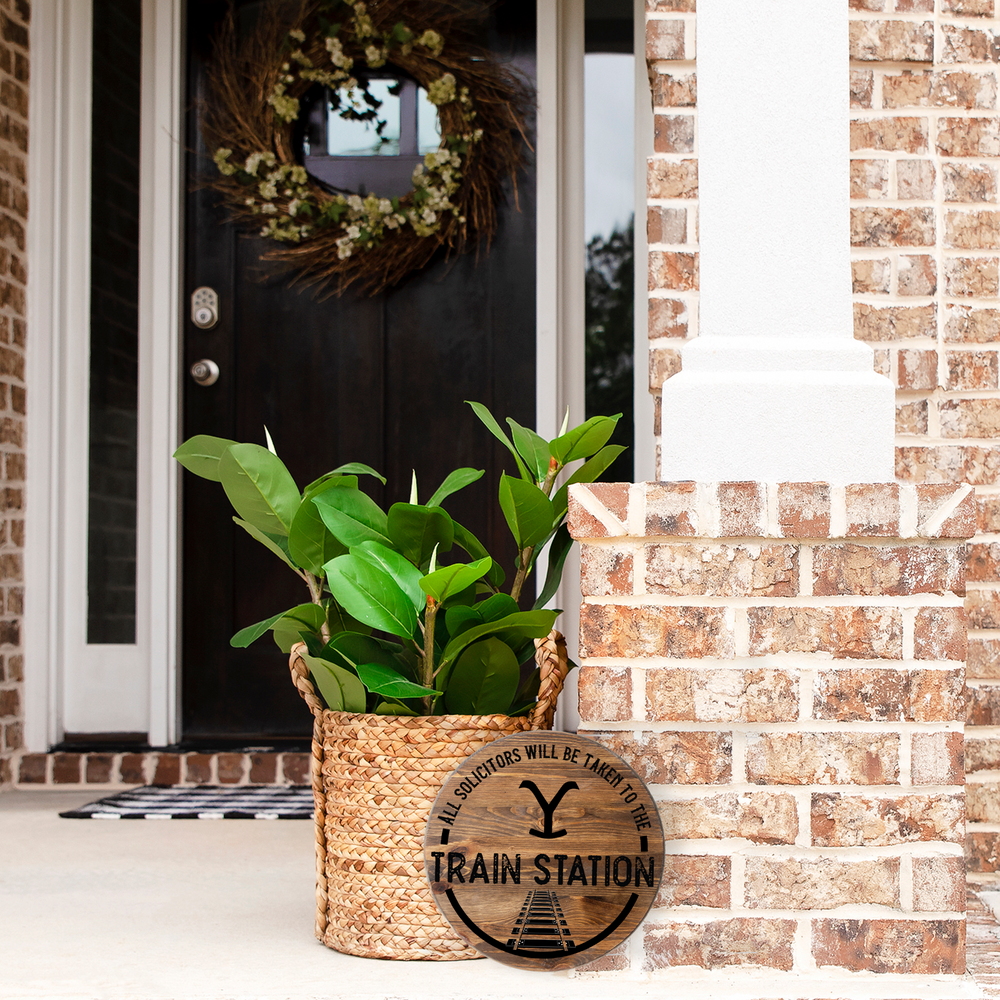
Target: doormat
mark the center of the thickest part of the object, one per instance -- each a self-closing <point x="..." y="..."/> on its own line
<point x="202" y="802"/>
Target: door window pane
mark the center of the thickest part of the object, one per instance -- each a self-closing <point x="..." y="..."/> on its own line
<point x="114" y="331"/>
<point x="609" y="144"/>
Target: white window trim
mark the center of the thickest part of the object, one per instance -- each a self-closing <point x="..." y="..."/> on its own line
<point x="70" y="685"/>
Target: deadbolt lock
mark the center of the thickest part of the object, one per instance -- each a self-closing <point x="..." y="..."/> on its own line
<point x="204" y="307"/>
<point x="205" y="372"/>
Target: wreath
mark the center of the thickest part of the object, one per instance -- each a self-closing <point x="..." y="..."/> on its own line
<point x="259" y="86"/>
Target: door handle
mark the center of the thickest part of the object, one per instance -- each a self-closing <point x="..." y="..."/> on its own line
<point x="205" y="372"/>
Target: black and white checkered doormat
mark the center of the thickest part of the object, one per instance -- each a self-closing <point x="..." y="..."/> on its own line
<point x="203" y="802"/>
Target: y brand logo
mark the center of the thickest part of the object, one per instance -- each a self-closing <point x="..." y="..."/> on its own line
<point x="548" y="808"/>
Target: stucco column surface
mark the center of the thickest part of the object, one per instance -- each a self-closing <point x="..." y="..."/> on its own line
<point x="775" y="387"/>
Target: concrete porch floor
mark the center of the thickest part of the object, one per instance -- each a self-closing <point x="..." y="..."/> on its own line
<point x="185" y="910"/>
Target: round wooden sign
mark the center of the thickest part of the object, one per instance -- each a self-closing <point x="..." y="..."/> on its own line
<point x="544" y="850"/>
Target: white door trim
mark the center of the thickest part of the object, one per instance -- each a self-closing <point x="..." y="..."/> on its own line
<point x="69" y="684"/>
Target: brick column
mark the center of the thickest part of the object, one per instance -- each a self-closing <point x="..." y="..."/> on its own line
<point x="784" y="665"/>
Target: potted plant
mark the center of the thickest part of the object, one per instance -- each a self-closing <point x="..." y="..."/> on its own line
<point x="410" y="652"/>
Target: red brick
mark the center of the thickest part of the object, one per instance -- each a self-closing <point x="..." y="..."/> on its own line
<point x="983" y="705"/>
<point x="665" y="5"/>
<point x="873" y="509"/>
<point x="742" y="509"/>
<point x="605" y="572"/>
<point x="721" y="696"/>
<point x="695" y="880"/>
<point x="939" y="884"/>
<point x="941" y="89"/>
<point x="605" y="694"/>
<point x="764" y="817"/>
<point x="671" y="509"/>
<point x="916" y="947"/>
<point x="67" y="768"/>
<point x="915" y="179"/>
<point x="823" y="759"/>
<point x="982" y="754"/>
<point x="672" y="90"/>
<point x="988" y="513"/>
<point x="982" y="851"/>
<point x="891" y="571"/>
<point x="982" y="802"/>
<point x="975" y="182"/>
<point x="263" y="768"/>
<point x="673" y="133"/>
<point x="963" y="45"/>
<point x="168" y="769"/>
<point x="983" y="562"/>
<point x="968" y="137"/>
<point x="977" y="326"/>
<point x="878" y="821"/>
<point x="917" y="274"/>
<point x="971" y="276"/>
<point x="874" y="694"/>
<point x="940" y="634"/>
<point x="664" y="40"/>
<point x="721" y="570"/>
<point x="295" y="768"/>
<point x="32" y="769"/>
<point x="871" y="276"/>
<point x="671" y="179"/>
<point x="846" y="632"/>
<point x="820" y="884"/>
<point x="911" y="418"/>
<point x="971" y="370"/>
<point x="970" y="418"/>
<point x="663" y="364"/>
<point x="892" y="41"/>
<point x="198" y="768"/>
<point x="905" y="135"/>
<point x="231" y="768"/>
<point x="956" y="463"/>
<point x="651" y="630"/>
<point x="666" y="225"/>
<point x="613" y="497"/>
<point x="99" y="768"/>
<point x="719" y="943"/>
<point x="673" y="269"/>
<point x="968" y="8"/>
<point x="877" y="323"/>
<point x="983" y="659"/>
<point x="804" y="510"/>
<point x="862" y="83"/>
<point x="875" y="226"/>
<point x="869" y="179"/>
<point x="668" y="318"/>
<point x="978" y="230"/>
<point x="983" y="609"/>
<point x="616" y="960"/>
<point x="688" y="758"/>
<point x="132" y="769"/>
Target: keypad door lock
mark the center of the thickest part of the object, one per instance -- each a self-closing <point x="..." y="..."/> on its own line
<point x="204" y="307"/>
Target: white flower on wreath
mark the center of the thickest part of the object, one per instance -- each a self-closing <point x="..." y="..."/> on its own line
<point x="442" y="91"/>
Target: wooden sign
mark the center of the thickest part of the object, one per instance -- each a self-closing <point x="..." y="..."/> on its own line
<point x="544" y="850"/>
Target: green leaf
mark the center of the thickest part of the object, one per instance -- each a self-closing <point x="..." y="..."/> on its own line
<point x="352" y="516"/>
<point x="527" y="509"/>
<point x="454" y="482"/>
<point x="494" y="428"/>
<point x="371" y="595"/>
<point x="277" y="544"/>
<point x="496" y="607"/>
<point x="484" y="680"/>
<point x="348" y="649"/>
<point x="558" y="551"/>
<point x="388" y="682"/>
<point x="357" y="469"/>
<point x="406" y="575"/>
<point x="310" y="542"/>
<point x="534" y="449"/>
<point x="200" y="454"/>
<point x="329" y="479"/>
<point x="341" y="621"/>
<point x="512" y="629"/>
<point x="252" y="633"/>
<point x="466" y="540"/>
<point x="289" y="627"/>
<point x="587" y="473"/>
<point x="394" y="708"/>
<point x="460" y="617"/>
<point x="415" y="530"/>
<point x="270" y="441"/>
<point x="588" y="438"/>
<point x="451" y="580"/>
<point x="259" y="487"/>
<point x="341" y="690"/>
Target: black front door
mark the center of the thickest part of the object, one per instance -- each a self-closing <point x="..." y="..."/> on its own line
<point x="377" y="380"/>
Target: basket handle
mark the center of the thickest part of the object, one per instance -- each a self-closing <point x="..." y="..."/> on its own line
<point x="550" y="655"/>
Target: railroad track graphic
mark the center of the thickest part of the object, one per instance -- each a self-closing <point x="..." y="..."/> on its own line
<point x="540" y="926"/>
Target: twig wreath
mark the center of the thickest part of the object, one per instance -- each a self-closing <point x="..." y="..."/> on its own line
<point x="260" y="83"/>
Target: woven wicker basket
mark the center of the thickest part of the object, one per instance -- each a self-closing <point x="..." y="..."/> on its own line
<point x="374" y="779"/>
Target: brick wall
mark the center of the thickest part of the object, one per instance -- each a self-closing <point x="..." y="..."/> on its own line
<point x="14" y="19"/>
<point x="925" y="232"/>
<point x="784" y="665"/>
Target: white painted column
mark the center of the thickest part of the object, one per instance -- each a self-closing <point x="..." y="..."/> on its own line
<point x="775" y="388"/>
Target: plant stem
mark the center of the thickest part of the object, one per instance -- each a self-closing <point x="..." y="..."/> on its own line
<point x="524" y="560"/>
<point x="316" y="596"/>
<point x="428" y="678"/>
